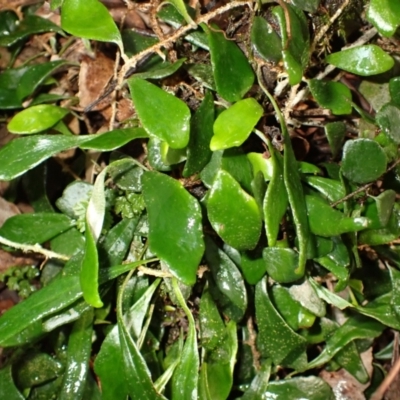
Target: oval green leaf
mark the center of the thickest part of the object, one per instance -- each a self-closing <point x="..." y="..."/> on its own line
<point x="281" y="264"/>
<point x="326" y="221"/>
<point x="164" y="116"/>
<point x="234" y="125"/>
<point x="332" y="95"/>
<point x="35" y="228"/>
<point x="36" y="119"/>
<point x="362" y="60"/>
<point x="384" y="15"/>
<point x="89" y="19"/>
<point x="233" y="213"/>
<point x="363" y="160"/>
<point x="265" y="40"/>
<point x="233" y="74"/>
<point x="175" y="228"/>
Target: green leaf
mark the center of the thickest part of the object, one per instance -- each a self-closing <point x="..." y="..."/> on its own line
<point x="63" y="291"/>
<point x="181" y="7"/>
<point x="335" y="133"/>
<point x="331" y="189"/>
<point x="384" y="15"/>
<point x="275" y="200"/>
<point x="198" y="151"/>
<point x="219" y="367"/>
<point x="175" y="227"/>
<point x="95" y="213"/>
<point x="211" y="325"/>
<point x="295" y="48"/>
<point x="332" y="95"/>
<point x="36" y="368"/>
<point x="78" y="357"/>
<point x="394" y="89"/>
<point x="265" y="40"/>
<point x="305" y="294"/>
<point x="111" y="140"/>
<point x="296" y="198"/>
<point x="233" y="213"/>
<point x="185" y="377"/>
<point x="8" y="389"/>
<point x="89" y="19"/>
<point x="22" y="154"/>
<point x="161" y="71"/>
<point x="281" y="264"/>
<point x="34" y="76"/>
<point x="35" y="228"/>
<point x="233" y="74"/>
<point x="388" y="119"/>
<point x="363" y="160"/>
<point x="228" y="279"/>
<point x="89" y="270"/>
<point x="36" y="119"/>
<point x="234" y="125"/>
<point x="362" y="60"/>
<point x="135" y="367"/>
<point x="291" y="310"/>
<point x="235" y="162"/>
<point x="76" y="192"/>
<point x="109" y="368"/>
<point x="326" y="221"/>
<point x="163" y="115"/>
<point x="307" y="5"/>
<point x="30" y="25"/>
<point x="353" y="328"/>
<point x="275" y="338"/>
<point x="116" y="243"/>
<point x="259" y="384"/>
<point x="309" y="387"/>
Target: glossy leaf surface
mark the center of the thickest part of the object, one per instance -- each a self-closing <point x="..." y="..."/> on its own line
<point x="275" y="200"/>
<point x="30" y="25"/>
<point x="326" y="221"/>
<point x="36" y="119"/>
<point x="281" y="264"/>
<point x="89" y="19"/>
<point x="384" y="15"/>
<point x="78" y="356"/>
<point x="388" y="118"/>
<point x="163" y="115"/>
<point x="35" y="228"/>
<point x="363" y="160"/>
<point x="360" y="328"/>
<point x="22" y="154"/>
<point x="332" y="95"/>
<point x="287" y="348"/>
<point x="175" y="225"/>
<point x="233" y="213"/>
<point x="228" y="279"/>
<point x="362" y="60"/>
<point x="234" y="125"/>
<point x="310" y="388"/>
<point x="265" y="40"/>
<point x="296" y="47"/>
<point x="335" y="133"/>
<point x="184" y="381"/>
<point x="233" y="74"/>
<point x="198" y="151"/>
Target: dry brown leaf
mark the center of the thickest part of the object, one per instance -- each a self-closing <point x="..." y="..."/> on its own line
<point x="94" y="75"/>
<point x="7" y="210"/>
